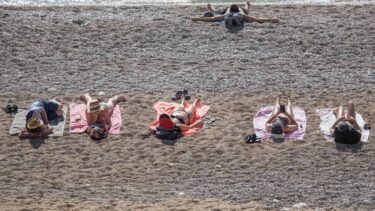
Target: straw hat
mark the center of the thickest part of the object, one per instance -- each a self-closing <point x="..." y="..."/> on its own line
<point x="94" y="106"/>
<point x="33" y="123"/>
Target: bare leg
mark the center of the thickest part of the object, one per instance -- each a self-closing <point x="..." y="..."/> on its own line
<point x="261" y="20"/>
<point x="117" y="99"/>
<point x="211" y="8"/>
<point x="86" y="98"/>
<point x="351" y="110"/>
<point x="247" y="7"/>
<point x="191" y="110"/>
<point x="289" y="107"/>
<point x="276" y="109"/>
<point x="338" y="112"/>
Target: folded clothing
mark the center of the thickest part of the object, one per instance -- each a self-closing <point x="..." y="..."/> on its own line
<point x="264" y="113"/>
<point x="78" y="122"/>
<point x="328" y="118"/>
<point x="167" y="108"/>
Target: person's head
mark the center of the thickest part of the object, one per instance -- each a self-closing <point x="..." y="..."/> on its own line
<point x="277" y="132"/>
<point x="97" y="133"/>
<point x="34" y="125"/>
<point x="234" y="8"/>
<point x="346" y="134"/>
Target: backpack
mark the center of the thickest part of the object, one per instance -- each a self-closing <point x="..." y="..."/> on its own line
<point x="169" y="134"/>
<point x="233" y="19"/>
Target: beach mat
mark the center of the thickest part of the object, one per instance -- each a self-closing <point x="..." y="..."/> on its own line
<point x="328" y="118"/>
<point x="19" y="123"/>
<point x="264" y="113"/>
<point x="78" y="122"/>
<point x="167" y="108"/>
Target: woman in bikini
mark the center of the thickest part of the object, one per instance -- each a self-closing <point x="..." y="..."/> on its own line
<point x="234" y="9"/>
<point x="346" y="129"/>
<point x="98" y="114"/>
<point x="282" y="120"/>
<point x="181" y="117"/>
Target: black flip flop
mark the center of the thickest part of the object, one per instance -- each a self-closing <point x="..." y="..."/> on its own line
<point x="177" y="96"/>
<point x="252" y="138"/>
<point x="8" y="109"/>
<point x="186" y="95"/>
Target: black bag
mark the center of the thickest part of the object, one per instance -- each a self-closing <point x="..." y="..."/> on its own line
<point x="169" y="134"/>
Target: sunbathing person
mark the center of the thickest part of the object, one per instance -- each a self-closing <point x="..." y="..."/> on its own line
<point x="233" y="15"/>
<point x="98" y="115"/>
<point x="181" y="117"/>
<point x="40" y="113"/>
<point x="346" y="129"/>
<point x="282" y="120"/>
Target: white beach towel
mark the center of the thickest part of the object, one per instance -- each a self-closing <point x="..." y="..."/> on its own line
<point x="327" y="119"/>
<point x="19" y="122"/>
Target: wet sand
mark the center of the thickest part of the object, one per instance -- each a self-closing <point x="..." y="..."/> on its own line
<point x="322" y="55"/>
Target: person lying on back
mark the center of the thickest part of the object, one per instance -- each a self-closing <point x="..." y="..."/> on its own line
<point x="98" y="115"/>
<point x="233" y="15"/>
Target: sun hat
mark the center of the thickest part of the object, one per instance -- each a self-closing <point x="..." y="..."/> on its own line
<point x="94" y="106"/>
<point x="165" y="121"/>
<point x="33" y="123"/>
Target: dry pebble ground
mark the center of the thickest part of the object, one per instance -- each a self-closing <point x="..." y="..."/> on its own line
<point x="321" y="55"/>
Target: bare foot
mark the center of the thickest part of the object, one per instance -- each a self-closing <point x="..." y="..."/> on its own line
<point x="83" y="97"/>
<point x="121" y="98"/>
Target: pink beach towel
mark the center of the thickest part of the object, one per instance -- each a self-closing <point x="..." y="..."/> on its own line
<point x="262" y="115"/>
<point x="167" y="108"/>
<point x="78" y="122"/>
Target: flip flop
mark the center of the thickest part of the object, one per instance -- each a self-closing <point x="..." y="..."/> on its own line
<point x="8" y="109"/>
<point x="177" y="96"/>
<point x="252" y="138"/>
<point x="186" y="95"/>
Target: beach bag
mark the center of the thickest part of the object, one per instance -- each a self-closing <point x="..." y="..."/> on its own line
<point x="233" y="19"/>
<point x="168" y="134"/>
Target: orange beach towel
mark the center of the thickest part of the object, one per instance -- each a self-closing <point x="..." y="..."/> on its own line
<point x="167" y="108"/>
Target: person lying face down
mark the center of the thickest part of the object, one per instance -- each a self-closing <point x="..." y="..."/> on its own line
<point x="282" y="120"/>
<point x="39" y="115"/>
<point x="181" y="117"/>
<point x="98" y="115"/>
<point x="233" y="15"/>
<point x="346" y="129"/>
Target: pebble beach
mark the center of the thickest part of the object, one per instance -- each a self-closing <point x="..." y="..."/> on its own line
<point x="322" y="55"/>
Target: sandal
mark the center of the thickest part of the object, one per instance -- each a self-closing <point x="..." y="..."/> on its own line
<point x="11" y="109"/>
<point x="177" y="96"/>
<point x="186" y="95"/>
<point x="252" y="138"/>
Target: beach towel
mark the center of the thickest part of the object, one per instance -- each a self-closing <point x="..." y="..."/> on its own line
<point x="264" y="113"/>
<point x="19" y="123"/>
<point x="328" y="118"/>
<point x="78" y="122"/>
<point x="167" y="108"/>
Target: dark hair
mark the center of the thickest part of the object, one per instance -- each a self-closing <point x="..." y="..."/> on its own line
<point x="234" y="8"/>
<point x="347" y="136"/>
<point x="34" y="130"/>
<point x="101" y="134"/>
